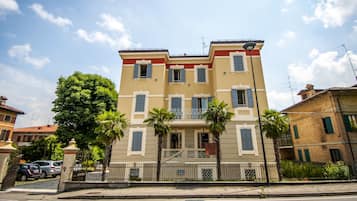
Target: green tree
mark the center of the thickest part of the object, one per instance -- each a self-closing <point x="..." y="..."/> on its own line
<point x="47" y="148"/>
<point x="159" y="119"/>
<point x="111" y="127"/>
<point x="80" y="99"/>
<point x="275" y="124"/>
<point x="217" y="116"/>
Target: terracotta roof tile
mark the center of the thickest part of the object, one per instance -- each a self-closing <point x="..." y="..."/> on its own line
<point x="37" y="129"/>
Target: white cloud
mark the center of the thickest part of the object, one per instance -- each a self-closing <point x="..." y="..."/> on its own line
<point x="100" y="69"/>
<point x="289" y="1"/>
<point x="279" y="99"/>
<point x="59" y="21"/>
<point x="332" y="13"/>
<point x="284" y="10"/>
<point x="327" y="69"/>
<point x="110" y="23"/>
<point x="29" y="93"/>
<point x="286" y="37"/>
<point x="23" y="53"/>
<point x="117" y="37"/>
<point x="8" y="6"/>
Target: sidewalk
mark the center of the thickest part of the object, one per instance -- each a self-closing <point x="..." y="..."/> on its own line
<point x="213" y="192"/>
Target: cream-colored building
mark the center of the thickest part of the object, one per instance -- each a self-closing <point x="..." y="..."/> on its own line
<point x="185" y="85"/>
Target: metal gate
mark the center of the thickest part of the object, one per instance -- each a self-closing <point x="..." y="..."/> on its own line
<point x="10" y="178"/>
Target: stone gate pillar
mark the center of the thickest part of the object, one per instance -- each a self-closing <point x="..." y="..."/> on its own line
<point x="5" y="152"/>
<point x="69" y="161"/>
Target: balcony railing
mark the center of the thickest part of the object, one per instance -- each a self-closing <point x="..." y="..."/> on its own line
<point x="189" y="113"/>
<point x="183" y="154"/>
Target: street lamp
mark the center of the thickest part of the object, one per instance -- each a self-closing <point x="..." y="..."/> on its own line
<point x="249" y="46"/>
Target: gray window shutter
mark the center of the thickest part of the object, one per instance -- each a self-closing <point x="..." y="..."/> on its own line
<point x="250" y="97"/>
<point x="136" y="141"/>
<point x="247" y="142"/>
<point x="149" y="70"/>
<point x="176" y="106"/>
<point x="140" y="103"/>
<point x="234" y="98"/>
<point x="170" y="75"/>
<point x="136" y="71"/>
<point x="210" y="99"/>
<point x="201" y="75"/>
<point x="238" y="63"/>
<point x="194" y="107"/>
<point x="182" y="74"/>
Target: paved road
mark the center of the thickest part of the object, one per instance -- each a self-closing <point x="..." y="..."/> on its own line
<point x="33" y="197"/>
<point x="39" y="184"/>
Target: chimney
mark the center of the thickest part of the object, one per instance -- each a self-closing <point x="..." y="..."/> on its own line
<point x="308" y="92"/>
<point x="3" y="100"/>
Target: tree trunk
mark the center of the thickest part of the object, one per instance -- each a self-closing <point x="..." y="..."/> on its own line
<point x="277" y="157"/>
<point x="105" y="161"/>
<point x="158" y="165"/>
<point x="218" y="156"/>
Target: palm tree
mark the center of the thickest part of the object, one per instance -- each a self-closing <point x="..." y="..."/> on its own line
<point x="111" y="127"/>
<point x="159" y="119"/>
<point x="217" y="116"/>
<point x="275" y="124"/>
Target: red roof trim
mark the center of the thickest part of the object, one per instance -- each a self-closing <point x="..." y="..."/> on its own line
<point x="153" y="60"/>
<point x="226" y="52"/>
<point x="189" y="66"/>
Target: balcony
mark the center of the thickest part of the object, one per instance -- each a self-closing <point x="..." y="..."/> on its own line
<point x="285" y="141"/>
<point x="187" y="154"/>
<point x="188" y="117"/>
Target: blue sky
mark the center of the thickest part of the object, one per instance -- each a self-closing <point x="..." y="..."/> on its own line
<point x="42" y="40"/>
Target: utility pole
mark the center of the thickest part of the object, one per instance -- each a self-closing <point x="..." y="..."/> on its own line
<point x="349" y="59"/>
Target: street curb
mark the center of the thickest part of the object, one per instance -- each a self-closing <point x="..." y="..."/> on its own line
<point x="95" y="197"/>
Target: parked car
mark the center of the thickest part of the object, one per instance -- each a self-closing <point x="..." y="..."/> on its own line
<point x="49" y="168"/>
<point x="28" y="170"/>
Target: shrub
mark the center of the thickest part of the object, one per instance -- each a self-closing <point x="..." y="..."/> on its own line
<point x="292" y="169"/>
<point x="336" y="170"/>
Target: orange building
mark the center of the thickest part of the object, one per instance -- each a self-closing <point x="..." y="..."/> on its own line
<point x="25" y="136"/>
<point x="8" y="117"/>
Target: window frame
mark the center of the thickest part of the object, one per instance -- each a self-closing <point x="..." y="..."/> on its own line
<point x="7" y="118"/>
<point x="205" y="67"/>
<point x="240" y="143"/>
<point x="140" y="69"/>
<point x="325" y="126"/>
<point x="244" y="58"/>
<point x="130" y="141"/>
<point x="339" y="153"/>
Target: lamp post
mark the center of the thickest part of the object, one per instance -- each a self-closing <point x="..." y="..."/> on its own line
<point x="249" y="46"/>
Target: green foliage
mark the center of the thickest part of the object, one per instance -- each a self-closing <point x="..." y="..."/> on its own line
<point x="274" y="124"/>
<point x="80" y="99"/>
<point x="336" y="170"/>
<point x="97" y="153"/>
<point x="217" y="116"/>
<point x="111" y="127"/>
<point x="159" y="119"/>
<point x="292" y="169"/>
<point x="44" y="149"/>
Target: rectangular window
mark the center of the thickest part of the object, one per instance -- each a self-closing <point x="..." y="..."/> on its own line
<point x="180" y="172"/>
<point x="7" y="118"/>
<point x="199" y="106"/>
<point x="140" y="103"/>
<point x="301" y="159"/>
<point x="247" y="142"/>
<point x="201" y="75"/>
<point x="327" y="123"/>
<point x="296" y="132"/>
<point x="134" y="174"/>
<point x="143" y="70"/>
<point x="238" y="63"/>
<point x="350" y="122"/>
<point x="175" y="141"/>
<point x="242" y="98"/>
<point x="307" y="155"/>
<point x="176" y="107"/>
<point x="335" y="155"/>
<point x="177" y="75"/>
<point x="136" y="143"/>
<point x="18" y="139"/>
<point x="203" y="140"/>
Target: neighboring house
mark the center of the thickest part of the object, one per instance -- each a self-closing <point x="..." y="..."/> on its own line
<point x="324" y="125"/>
<point x="25" y="136"/>
<point x="8" y="117"/>
<point x="185" y="85"/>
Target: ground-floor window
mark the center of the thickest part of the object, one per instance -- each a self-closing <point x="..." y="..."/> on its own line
<point x="134" y="174"/>
<point x="335" y="155"/>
